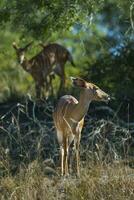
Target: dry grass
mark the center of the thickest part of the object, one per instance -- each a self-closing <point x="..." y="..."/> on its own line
<point x="96" y="182"/>
<point x="103" y="182"/>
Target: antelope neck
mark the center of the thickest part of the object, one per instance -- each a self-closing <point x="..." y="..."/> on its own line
<point x="82" y="106"/>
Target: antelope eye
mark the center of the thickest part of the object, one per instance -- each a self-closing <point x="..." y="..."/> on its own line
<point x="94" y="90"/>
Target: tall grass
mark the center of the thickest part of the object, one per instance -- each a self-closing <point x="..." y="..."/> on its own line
<point x="96" y="182"/>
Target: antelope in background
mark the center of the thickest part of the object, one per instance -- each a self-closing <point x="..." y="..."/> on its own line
<point x="58" y="56"/>
<point x="69" y="119"/>
<point x="41" y="65"/>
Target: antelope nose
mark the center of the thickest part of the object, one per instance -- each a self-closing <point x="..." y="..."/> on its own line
<point x="108" y="98"/>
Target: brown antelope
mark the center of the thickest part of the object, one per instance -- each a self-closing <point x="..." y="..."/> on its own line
<point x="69" y="119"/>
<point x="58" y="55"/>
<point x="39" y="67"/>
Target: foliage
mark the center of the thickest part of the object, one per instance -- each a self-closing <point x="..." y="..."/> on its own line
<point x="14" y="81"/>
<point x="99" y="35"/>
<point x="114" y="71"/>
<point x="41" y="18"/>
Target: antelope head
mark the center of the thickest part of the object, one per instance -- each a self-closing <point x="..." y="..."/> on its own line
<point x="94" y="93"/>
<point x="20" y="52"/>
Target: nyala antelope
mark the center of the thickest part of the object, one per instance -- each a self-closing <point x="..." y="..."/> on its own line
<point x="58" y="56"/>
<point x="39" y="67"/>
<point x="69" y="117"/>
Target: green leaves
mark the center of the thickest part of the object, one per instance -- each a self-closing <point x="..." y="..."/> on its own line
<point x="39" y="17"/>
<point x="47" y="16"/>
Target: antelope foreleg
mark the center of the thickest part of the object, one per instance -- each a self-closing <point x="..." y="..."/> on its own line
<point x="65" y="158"/>
<point x="77" y="156"/>
<point x="62" y="157"/>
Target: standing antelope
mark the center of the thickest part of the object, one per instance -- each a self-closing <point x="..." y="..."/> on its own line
<point x="69" y="119"/>
<point x="39" y="67"/>
<point x="58" y="55"/>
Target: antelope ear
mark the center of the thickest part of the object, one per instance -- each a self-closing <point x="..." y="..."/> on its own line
<point x="15" y="45"/>
<point x="79" y="82"/>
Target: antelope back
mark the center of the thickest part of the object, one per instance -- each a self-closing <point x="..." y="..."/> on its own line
<point x="55" y="52"/>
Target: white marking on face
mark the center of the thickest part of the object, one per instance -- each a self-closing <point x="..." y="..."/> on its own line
<point x="21" y="59"/>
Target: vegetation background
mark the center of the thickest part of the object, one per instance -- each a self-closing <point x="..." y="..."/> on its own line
<point x="100" y="36"/>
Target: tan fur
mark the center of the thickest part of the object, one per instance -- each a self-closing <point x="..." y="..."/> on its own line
<point x="69" y="119"/>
